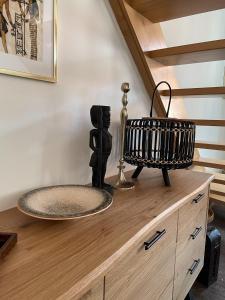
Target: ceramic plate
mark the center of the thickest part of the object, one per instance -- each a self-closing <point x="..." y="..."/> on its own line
<point x="64" y="202"/>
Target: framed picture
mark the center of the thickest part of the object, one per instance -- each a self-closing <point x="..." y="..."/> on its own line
<point x="28" y="39"/>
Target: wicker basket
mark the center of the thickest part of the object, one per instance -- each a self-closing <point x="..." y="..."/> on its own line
<point x="163" y="143"/>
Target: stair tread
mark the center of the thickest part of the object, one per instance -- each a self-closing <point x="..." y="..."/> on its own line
<point x="217" y="189"/>
<point x="208" y="122"/>
<point x="159" y="11"/>
<point x="188" y="54"/>
<point x="217" y="198"/>
<point x="210" y="163"/>
<point x="204" y="91"/>
<point x="210" y="145"/>
<point x="219" y="178"/>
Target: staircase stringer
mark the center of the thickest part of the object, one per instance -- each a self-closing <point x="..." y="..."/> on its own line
<point x="120" y="10"/>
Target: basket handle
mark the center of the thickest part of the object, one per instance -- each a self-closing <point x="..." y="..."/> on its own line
<point x="170" y="89"/>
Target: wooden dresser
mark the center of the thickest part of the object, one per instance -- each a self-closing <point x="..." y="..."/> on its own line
<point x="148" y="245"/>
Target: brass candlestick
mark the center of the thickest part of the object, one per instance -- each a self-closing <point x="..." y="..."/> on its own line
<point x="121" y="182"/>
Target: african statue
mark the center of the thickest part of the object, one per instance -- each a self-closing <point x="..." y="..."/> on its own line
<point x="100" y="143"/>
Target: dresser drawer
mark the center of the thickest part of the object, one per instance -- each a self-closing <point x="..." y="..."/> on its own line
<point x="188" y="267"/>
<point x="194" y="204"/>
<point x="147" y="270"/>
<point x="190" y="243"/>
<point x="191" y="210"/>
<point x="192" y="222"/>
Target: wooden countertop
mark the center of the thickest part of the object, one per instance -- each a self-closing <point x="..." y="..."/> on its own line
<point x="54" y="260"/>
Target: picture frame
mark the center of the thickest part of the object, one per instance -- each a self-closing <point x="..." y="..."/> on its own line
<point x="28" y="47"/>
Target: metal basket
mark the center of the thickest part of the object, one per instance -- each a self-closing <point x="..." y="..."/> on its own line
<point x="163" y="143"/>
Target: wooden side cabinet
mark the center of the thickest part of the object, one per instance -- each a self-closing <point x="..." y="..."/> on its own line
<point x="149" y="245"/>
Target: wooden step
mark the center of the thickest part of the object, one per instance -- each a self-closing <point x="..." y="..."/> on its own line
<point x="209" y="163"/>
<point x="208" y="145"/>
<point x="163" y="10"/>
<point x="219" y="178"/>
<point x="217" y="189"/>
<point x="189" y="54"/>
<point x="208" y="122"/>
<point x="196" y="92"/>
<point x="217" y="198"/>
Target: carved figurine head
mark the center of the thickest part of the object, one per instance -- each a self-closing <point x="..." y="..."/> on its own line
<point x="100" y="116"/>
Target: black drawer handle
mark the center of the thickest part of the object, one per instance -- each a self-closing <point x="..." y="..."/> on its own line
<point x="154" y="239"/>
<point x="194" y="266"/>
<point x="198" y="198"/>
<point x="196" y="232"/>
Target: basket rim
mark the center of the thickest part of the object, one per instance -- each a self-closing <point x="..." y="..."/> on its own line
<point x="164" y="119"/>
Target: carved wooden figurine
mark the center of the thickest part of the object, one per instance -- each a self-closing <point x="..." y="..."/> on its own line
<point x="100" y="143"/>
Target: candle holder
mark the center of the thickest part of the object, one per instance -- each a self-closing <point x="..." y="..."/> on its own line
<point x="121" y="182"/>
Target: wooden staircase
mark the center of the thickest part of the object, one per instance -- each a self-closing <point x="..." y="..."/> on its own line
<point x="139" y="21"/>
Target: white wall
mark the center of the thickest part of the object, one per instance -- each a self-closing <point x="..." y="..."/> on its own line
<point x="194" y="29"/>
<point x="44" y="128"/>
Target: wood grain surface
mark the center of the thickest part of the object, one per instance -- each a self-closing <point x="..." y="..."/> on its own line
<point x="189" y="54"/>
<point x="197" y="92"/>
<point x="141" y="274"/>
<point x="210" y="145"/>
<point x="163" y="10"/>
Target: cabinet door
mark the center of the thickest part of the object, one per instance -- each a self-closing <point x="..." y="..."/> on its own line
<point x="147" y="270"/>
